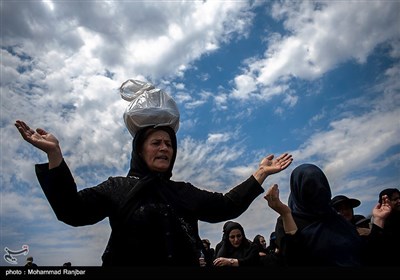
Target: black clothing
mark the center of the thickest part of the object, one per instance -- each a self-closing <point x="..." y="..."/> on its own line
<point x="385" y="242"/>
<point x="219" y="244"/>
<point x="261" y="248"/>
<point x="323" y="238"/>
<point x="391" y="232"/>
<point x="154" y="220"/>
<point x="209" y="256"/>
<point x="31" y="264"/>
<point x="246" y="253"/>
<point x="269" y="257"/>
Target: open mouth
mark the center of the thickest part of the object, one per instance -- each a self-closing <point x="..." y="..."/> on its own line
<point x="162" y="157"/>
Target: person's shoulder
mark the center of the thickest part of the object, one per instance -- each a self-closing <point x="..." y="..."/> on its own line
<point x="122" y="179"/>
<point x="253" y="246"/>
<point x="182" y="185"/>
<point x="117" y="184"/>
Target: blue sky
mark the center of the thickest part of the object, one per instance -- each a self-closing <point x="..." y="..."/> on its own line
<point x="319" y="80"/>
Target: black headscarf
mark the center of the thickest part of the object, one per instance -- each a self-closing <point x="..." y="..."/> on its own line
<point x="327" y="237"/>
<point x="227" y="250"/>
<point x="256" y="241"/>
<point x="310" y="193"/>
<point x="219" y="244"/>
<point x="138" y="166"/>
<point x="149" y="181"/>
<point x="157" y="187"/>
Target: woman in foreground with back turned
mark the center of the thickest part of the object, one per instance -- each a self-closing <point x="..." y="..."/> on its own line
<point x="311" y="233"/>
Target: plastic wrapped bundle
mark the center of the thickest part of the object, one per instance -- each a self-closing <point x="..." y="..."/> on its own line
<point x="149" y="106"/>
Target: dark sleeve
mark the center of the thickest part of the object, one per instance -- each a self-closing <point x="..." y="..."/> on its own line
<point x="291" y="250"/>
<point x="377" y="248"/>
<point x="252" y="258"/>
<point x="71" y="206"/>
<point x="216" y="207"/>
<point x="217" y="248"/>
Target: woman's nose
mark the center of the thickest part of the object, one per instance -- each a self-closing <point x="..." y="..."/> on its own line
<point x="163" y="146"/>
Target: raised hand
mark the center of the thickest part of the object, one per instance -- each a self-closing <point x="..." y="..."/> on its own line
<point x="272" y="196"/>
<point x="272" y="165"/>
<point x="39" y="138"/>
<point x="42" y="140"/>
<point x="381" y="211"/>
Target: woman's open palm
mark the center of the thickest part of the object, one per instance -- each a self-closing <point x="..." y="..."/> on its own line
<point x="40" y="138"/>
<point x="274" y="165"/>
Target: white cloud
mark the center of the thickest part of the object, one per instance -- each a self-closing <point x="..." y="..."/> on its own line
<point x="205" y="164"/>
<point x="19" y="206"/>
<point x="353" y="143"/>
<point x="218" y="137"/>
<point x="319" y="41"/>
<point x="245" y="85"/>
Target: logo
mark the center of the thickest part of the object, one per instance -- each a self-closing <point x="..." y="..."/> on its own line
<point x="9" y="256"/>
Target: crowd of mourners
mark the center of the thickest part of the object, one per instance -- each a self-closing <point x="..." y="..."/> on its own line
<point x="315" y="230"/>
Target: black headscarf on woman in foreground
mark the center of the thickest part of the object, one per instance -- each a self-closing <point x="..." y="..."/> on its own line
<point x="323" y="238"/>
<point x="148" y="181"/>
<point x="138" y="167"/>
<point x="161" y="196"/>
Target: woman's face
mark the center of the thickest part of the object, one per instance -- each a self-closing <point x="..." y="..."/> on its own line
<point x="235" y="237"/>
<point x="263" y="242"/>
<point x="157" y="151"/>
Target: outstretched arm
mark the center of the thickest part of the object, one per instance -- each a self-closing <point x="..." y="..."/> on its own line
<point x="270" y="165"/>
<point x="272" y="196"/>
<point x="42" y="140"/>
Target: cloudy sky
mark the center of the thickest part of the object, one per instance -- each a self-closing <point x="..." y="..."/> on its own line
<point x="319" y="80"/>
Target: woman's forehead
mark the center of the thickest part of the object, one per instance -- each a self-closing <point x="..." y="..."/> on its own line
<point x="158" y="133"/>
<point x="235" y="230"/>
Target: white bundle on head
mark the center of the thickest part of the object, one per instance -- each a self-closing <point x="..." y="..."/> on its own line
<point x="149" y="106"/>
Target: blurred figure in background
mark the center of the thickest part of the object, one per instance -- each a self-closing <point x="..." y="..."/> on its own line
<point x="363" y="224"/>
<point x="391" y="230"/>
<point x="270" y="254"/>
<point x="29" y="262"/>
<point x="259" y="240"/>
<point x="345" y="206"/>
<point x="272" y="247"/>
<point x="208" y="253"/>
